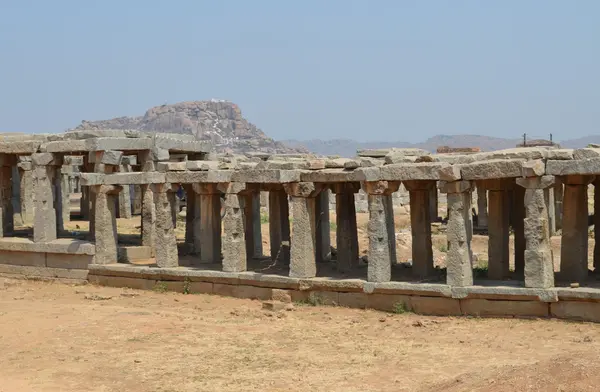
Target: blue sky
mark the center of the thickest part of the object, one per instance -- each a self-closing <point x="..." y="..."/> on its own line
<point x="368" y="70"/>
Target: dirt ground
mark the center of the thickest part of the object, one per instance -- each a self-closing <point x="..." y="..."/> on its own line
<point x="56" y="337"/>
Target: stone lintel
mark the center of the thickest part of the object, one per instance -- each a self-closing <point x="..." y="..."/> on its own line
<point x="380" y="187"/>
<point x="454" y="186"/>
<point x="111" y="157"/>
<point x="542" y="182"/>
<point x="108" y="189"/>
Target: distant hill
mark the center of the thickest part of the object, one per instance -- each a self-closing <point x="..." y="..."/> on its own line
<point x="220" y="122"/>
<point x="348" y="147"/>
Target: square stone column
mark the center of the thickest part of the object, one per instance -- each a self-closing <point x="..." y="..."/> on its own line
<point x="539" y="265"/>
<point x="105" y="217"/>
<point x="63" y="198"/>
<point x="517" y="212"/>
<point x="44" y="174"/>
<point x="174" y="203"/>
<point x="279" y="225"/>
<point x="6" y="208"/>
<point x="574" y="243"/>
<point x="433" y="203"/>
<point x="558" y="203"/>
<point x="323" y="233"/>
<point x="26" y="190"/>
<point x="234" y="245"/>
<point x="459" y="258"/>
<point x="148" y="217"/>
<point x="498" y="227"/>
<point x="596" y="225"/>
<point x="190" y="212"/>
<point x="252" y="224"/>
<point x="551" y="204"/>
<point x="482" y="207"/>
<point x="84" y="203"/>
<point x="165" y="242"/>
<point x="208" y="238"/>
<point x="382" y="241"/>
<point x="346" y="231"/>
<point x="303" y="262"/>
<point x="125" y="195"/>
<point x="420" y="225"/>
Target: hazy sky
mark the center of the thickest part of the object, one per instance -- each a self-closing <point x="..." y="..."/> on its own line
<point x="368" y="70"/>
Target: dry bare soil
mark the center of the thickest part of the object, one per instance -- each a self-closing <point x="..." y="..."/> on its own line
<point x="56" y="337"/>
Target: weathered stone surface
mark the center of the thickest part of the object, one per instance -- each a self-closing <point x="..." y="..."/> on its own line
<point x="459" y="258"/>
<point x="582" y="166"/>
<point x="212" y="176"/>
<point x="497" y="168"/>
<point x="585" y="153"/>
<point x="574" y="242"/>
<point x="171" y="166"/>
<point x="382" y="244"/>
<point x="105" y="224"/>
<point x="303" y="247"/>
<point x="165" y="241"/>
<point x="202" y="165"/>
<point x="576" y="310"/>
<point x="542" y="182"/>
<point x="418" y="171"/>
<point x="559" y="153"/>
<point x="398" y="157"/>
<point x="496" y="308"/>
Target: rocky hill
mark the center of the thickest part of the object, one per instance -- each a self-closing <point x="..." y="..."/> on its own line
<point x="220" y="122"/>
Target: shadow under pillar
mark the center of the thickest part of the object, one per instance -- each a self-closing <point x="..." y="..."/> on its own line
<point x="279" y="225"/>
<point x="498" y="227"/>
<point x="459" y="258"/>
<point x="303" y="252"/>
<point x="380" y="229"/>
<point x="574" y="242"/>
<point x="539" y="265"/>
<point x="105" y="219"/>
<point x="208" y="238"/>
<point x="165" y="241"/>
<point x="346" y="227"/>
<point x="6" y="207"/>
<point x="323" y="228"/>
<point x="420" y="224"/>
<point x="518" y="216"/>
<point x="253" y="232"/>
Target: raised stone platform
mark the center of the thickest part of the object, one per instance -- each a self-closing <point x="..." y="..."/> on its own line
<point x="529" y="191"/>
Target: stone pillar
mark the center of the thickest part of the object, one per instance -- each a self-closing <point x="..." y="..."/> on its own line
<point x="235" y="250"/>
<point x="190" y="212"/>
<point x="279" y="225"/>
<point x="304" y="228"/>
<point x="346" y="231"/>
<point x="539" y="266"/>
<point x="382" y="241"/>
<point x="558" y="203"/>
<point x="15" y="196"/>
<point x="323" y="234"/>
<point x="84" y="203"/>
<point x="498" y="228"/>
<point x="208" y="238"/>
<point x="174" y="204"/>
<point x="574" y="243"/>
<point x="6" y="209"/>
<point x="482" y="207"/>
<point x="44" y="229"/>
<point x="105" y="217"/>
<point x="252" y="224"/>
<point x="164" y="239"/>
<point x="459" y="258"/>
<point x="596" y="225"/>
<point x="137" y="200"/>
<point x="125" y="196"/>
<point x="518" y="217"/>
<point x="420" y="224"/>
<point x="551" y="206"/>
<point x="63" y="198"/>
<point x="26" y="190"/>
<point x="433" y="203"/>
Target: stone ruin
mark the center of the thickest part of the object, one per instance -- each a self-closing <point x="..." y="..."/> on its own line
<point x="533" y="191"/>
